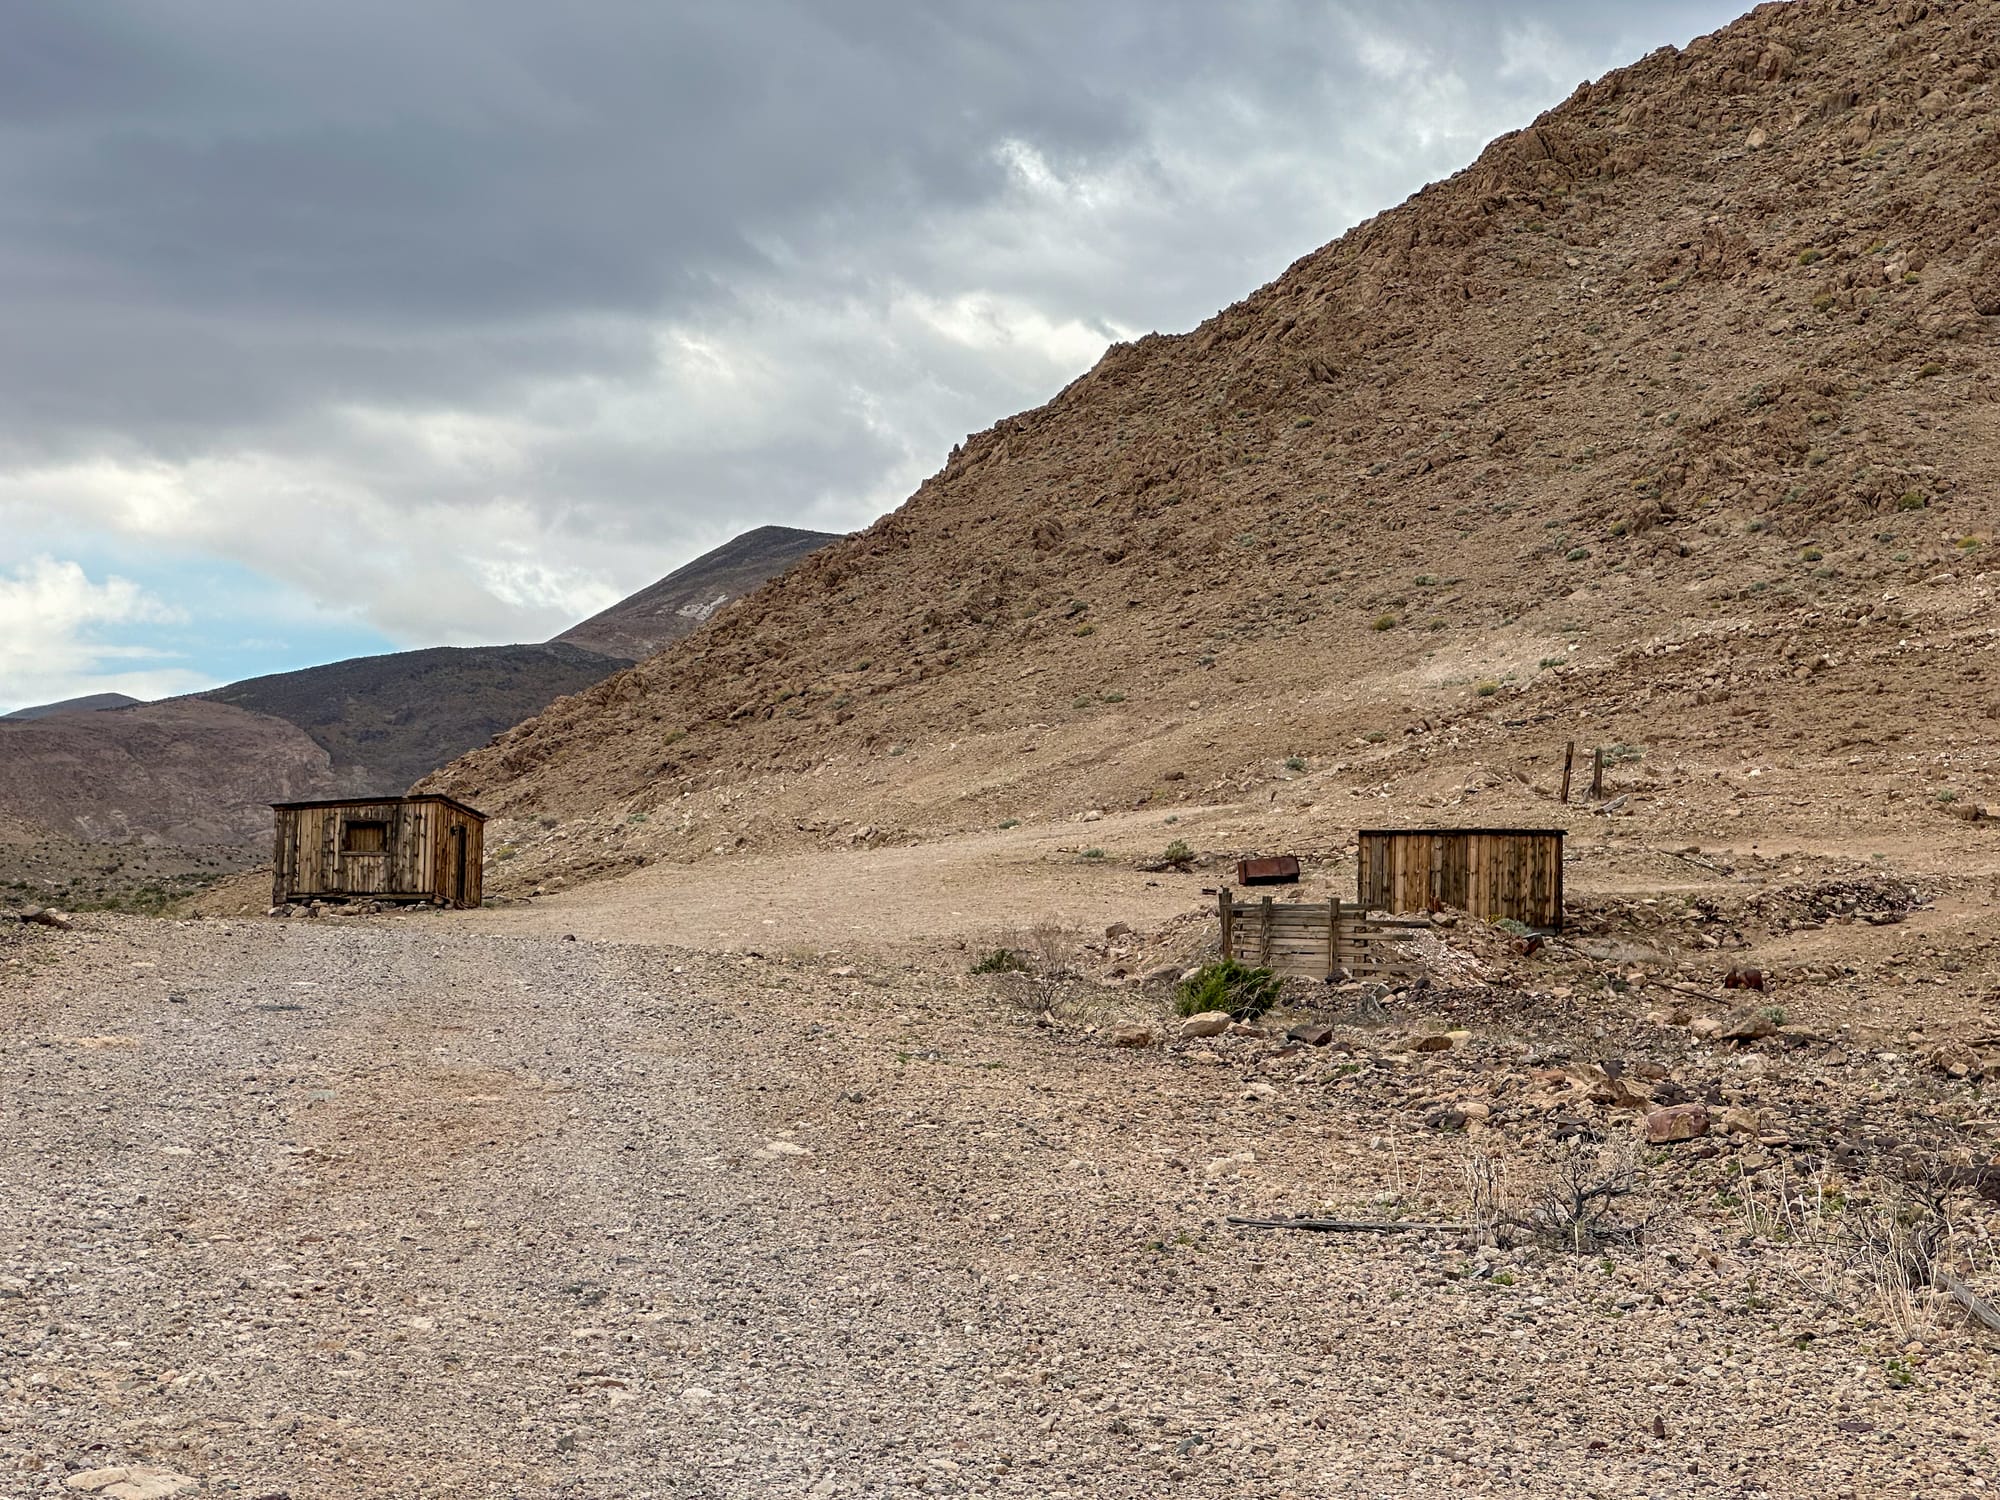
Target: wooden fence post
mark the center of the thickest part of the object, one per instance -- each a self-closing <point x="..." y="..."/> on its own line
<point x="1597" y="774"/>
<point x="1332" y="936"/>
<point x="1264" y="938"/>
<point x="1225" y="902"/>
<point x="1569" y="759"/>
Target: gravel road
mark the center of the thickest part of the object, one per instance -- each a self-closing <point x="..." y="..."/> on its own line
<point x="325" y="1209"/>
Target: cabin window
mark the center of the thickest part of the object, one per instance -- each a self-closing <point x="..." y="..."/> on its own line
<point x="359" y="836"/>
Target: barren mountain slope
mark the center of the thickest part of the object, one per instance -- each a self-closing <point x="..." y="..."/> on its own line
<point x="1672" y="420"/>
<point x="687" y="598"/>
<point x="185" y="771"/>
<point x="386" y="720"/>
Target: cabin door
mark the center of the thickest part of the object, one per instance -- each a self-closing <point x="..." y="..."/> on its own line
<point x="457" y="891"/>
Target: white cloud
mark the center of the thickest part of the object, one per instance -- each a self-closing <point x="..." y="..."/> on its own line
<point x="52" y="616"/>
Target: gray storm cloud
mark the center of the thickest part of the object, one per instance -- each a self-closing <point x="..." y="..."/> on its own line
<point x="582" y="290"/>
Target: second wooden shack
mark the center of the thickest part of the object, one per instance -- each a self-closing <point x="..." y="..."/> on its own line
<point x="1489" y="872"/>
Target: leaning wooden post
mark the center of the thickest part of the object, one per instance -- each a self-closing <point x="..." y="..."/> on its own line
<point x="1332" y="936"/>
<point x="1597" y="774"/>
<point x="1264" y="938"/>
<point x="1569" y="759"/>
<point x="1225" y="904"/>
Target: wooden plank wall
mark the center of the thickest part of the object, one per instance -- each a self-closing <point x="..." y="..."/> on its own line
<point x="1490" y="875"/>
<point x="1312" y="939"/>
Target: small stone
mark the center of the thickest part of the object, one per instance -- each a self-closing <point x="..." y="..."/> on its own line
<point x="1132" y="1036"/>
<point x="1748" y="1026"/>
<point x="136" y="1482"/>
<point x="784" y="1148"/>
<point x="1737" y="1120"/>
<point x="1312" y="1034"/>
<point x="1441" y="1041"/>
<point x="1705" y="1027"/>
<point x="43" y="916"/>
<point x="1208" y="1023"/>
<point x="1118" y="930"/>
<point x="1678" y="1122"/>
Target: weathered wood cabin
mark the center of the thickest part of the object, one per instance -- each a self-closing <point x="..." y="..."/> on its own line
<point x="423" y="848"/>
<point x="1489" y="872"/>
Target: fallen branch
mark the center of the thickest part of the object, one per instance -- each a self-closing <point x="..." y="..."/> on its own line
<point x="1353" y="1226"/>
<point x="1976" y="1307"/>
<point x="1681" y="989"/>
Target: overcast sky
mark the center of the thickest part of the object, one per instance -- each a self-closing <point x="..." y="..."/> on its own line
<point x="344" y="328"/>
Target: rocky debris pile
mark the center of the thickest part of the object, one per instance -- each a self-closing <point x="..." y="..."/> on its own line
<point x="304" y="910"/>
<point x="45" y="916"/>
<point x="1880" y="900"/>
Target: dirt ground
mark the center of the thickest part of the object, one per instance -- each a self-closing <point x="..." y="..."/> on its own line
<point x="447" y="1205"/>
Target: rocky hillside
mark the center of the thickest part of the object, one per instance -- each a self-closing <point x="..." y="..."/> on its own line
<point x="184" y="772"/>
<point x="691" y="596"/>
<point x="1671" y="422"/>
<point x="384" y="721"/>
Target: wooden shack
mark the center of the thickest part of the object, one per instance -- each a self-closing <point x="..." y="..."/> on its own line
<point x="423" y="848"/>
<point x="1489" y="872"/>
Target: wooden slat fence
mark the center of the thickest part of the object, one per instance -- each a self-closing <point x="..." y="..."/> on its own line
<point x="1312" y="939"/>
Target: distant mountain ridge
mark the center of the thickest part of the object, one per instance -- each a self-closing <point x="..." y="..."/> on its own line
<point x="88" y="704"/>
<point x="689" y="597"/>
<point x="384" y="721"/>
<point x="201" y="769"/>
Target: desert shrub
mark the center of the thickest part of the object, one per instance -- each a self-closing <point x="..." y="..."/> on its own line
<point x="1912" y="500"/>
<point x="1384" y="622"/>
<point x="1487" y="688"/>
<point x="1295" y="762"/>
<point x="1002" y="961"/>
<point x="1093" y="854"/>
<point x="1227" y="985"/>
<point x="1178" y="855"/>
<point x="1576" y="554"/>
<point x="1573" y="1204"/>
